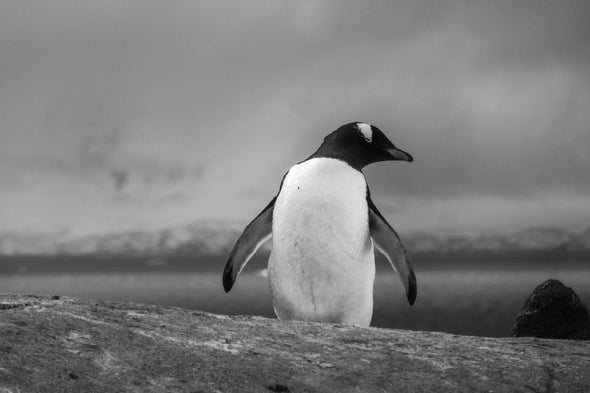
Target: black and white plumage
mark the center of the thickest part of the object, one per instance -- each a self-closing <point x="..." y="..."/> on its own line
<point x="323" y="225"/>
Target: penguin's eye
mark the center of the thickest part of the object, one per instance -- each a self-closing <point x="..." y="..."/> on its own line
<point x="366" y="132"/>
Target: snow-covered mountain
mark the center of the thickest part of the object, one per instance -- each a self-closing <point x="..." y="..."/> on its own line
<point x="198" y="238"/>
<point x="206" y="237"/>
<point x="29" y="243"/>
<point x="212" y="237"/>
<point x="531" y="239"/>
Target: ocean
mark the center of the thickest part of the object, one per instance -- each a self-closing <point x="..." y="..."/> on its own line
<point x="469" y="295"/>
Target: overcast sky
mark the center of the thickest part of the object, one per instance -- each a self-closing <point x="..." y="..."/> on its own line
<point x="117" y="115"/>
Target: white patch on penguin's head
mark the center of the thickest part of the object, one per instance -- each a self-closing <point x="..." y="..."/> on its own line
<point x="366" y="130"/>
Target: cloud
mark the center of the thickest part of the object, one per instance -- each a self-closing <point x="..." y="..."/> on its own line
<point x="140" y="100"/>
<point x="513" y="134"/>
<point x="120" y="178"/>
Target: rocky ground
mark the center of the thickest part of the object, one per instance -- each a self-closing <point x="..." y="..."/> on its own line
<point x="53" y="344"/>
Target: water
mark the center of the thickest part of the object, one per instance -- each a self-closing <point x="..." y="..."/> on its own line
<point x="474" y="299"/>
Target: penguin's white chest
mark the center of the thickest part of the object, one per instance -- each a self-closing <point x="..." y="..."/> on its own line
<point x="322" y="265"/>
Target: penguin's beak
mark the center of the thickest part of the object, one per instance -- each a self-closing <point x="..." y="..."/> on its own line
<point x="399" y="155"/>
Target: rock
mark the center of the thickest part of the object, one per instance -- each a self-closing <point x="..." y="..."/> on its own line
<point x="70" y="345"/>
<point x="553" y="311"/>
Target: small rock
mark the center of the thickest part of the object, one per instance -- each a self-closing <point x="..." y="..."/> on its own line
<point x="277" y="387"/>
<point x="9" y="306"/>
<point x="553" y="311"/>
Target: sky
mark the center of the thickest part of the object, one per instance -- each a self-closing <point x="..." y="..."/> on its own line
<point x="121" y="115"/>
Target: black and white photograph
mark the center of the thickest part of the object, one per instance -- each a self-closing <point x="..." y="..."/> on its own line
<point x="294" y="196"/>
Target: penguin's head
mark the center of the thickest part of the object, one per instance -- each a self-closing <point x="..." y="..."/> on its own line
<point x="360" y="144"/>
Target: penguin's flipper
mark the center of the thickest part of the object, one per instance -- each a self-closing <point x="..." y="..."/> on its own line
<point x="390" y="245"/>
<point x="254" y="236"/>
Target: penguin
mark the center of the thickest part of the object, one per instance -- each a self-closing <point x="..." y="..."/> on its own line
<point x="324" y="227"/>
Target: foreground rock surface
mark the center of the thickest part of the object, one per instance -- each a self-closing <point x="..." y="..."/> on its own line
<point x="553" y="311"/>
<point x="68" y="345"/>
